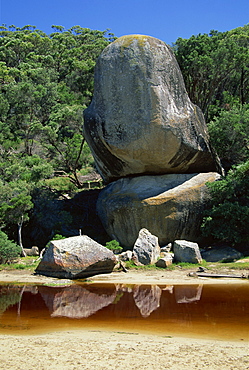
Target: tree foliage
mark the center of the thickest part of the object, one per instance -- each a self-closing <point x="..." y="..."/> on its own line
<point x="46" y="81"/>
<point x="8" y="250"/>
<point x="227" y="218"/>
<point x="215" y="63"/>
<point x="229" y="134"/>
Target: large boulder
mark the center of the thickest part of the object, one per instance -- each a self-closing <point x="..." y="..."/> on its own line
<point x="169" y="206"/>
<point x="185" y="251"/>
<point x="141" y="120"/>
<point x="146" y="249"/>
<point x="76" y="257"/>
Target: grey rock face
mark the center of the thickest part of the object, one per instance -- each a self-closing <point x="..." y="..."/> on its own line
<point x="146" y="249"/>
<point x="141" y="120"/>
<point x="169" y="206"/>
<point x="77" y="257"/>
<point x="224" y="254"/>
<point x="185" y="251"/>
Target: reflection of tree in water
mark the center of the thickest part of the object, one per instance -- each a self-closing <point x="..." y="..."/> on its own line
<point x="9" y="296"/>
<point x="147" y="299"/>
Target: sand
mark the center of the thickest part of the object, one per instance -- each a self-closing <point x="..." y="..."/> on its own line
<point x="93" y="349"/>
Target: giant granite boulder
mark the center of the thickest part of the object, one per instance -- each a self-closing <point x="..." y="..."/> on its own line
<point x="141" y="120"/>
<point x="169" y="206"/>
<point x="76" y="257"/>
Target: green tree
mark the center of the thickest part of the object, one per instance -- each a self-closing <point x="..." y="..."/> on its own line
<point x="214" y="63"/>
<point x="15" y="205"/>
<point x="46" y="81"/>
<point x="8" y="249"/>
<point x="229" y="134"/>
<point x="227" y="218"/>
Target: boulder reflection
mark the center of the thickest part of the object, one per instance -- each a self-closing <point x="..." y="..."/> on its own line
<point x="147" y="300"/>
<point x="79" y="301"/>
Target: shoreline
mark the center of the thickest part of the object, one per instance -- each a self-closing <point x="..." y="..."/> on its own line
<point x="134" y="277"/>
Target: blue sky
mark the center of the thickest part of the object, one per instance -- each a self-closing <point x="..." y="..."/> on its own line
<point x="164" y="19"/>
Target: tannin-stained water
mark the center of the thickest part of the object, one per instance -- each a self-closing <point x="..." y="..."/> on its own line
<point x="205" y="311"/>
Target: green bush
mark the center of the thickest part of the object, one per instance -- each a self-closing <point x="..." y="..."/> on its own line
<point x="8" y="250"/>
<point x="114" y="245"/>
<point x="227" y="218"/>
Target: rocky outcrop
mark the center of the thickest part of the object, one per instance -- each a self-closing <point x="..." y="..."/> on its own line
<point x="146" y="248"/>
<point x="169" y="206"/>
<point x="185" y="251"/>
<point x="76" y="257"/>
<point x="141" y="120"/>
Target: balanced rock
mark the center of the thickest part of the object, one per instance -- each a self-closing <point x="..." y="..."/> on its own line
<point x="146" y="249"/>
<point x="141" y="120"/>
<point x="169" y="206"/>
<point x="76" y="257"/>
<point x="185" y="251"/>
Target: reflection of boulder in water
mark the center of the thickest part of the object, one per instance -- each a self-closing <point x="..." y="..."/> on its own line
<point x="187" y="294"/>
<point x="77" y="302"/>
<point x="147" y="299"/>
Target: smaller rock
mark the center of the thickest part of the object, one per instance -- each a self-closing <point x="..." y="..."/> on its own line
<point x="165" y="261"/>
<point x="201" y="269"/>
<point x="125" y="256"/>
<point x="222" y="254"/>
<point x="186" y="251"/>
<point x="32" y="252"/>
<point x="146" y="249"/>
<point x="167" y="248"/>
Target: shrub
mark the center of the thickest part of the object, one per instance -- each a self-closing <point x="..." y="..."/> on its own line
<point x="8" y="250"/>
<point x="114" y="245"/>
<point x="227" y="218"/>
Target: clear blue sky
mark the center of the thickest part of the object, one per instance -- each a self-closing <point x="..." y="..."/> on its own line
<point x="164" y="19"/>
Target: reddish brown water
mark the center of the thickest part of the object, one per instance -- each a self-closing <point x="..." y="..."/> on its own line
<point x="204" y="311"/>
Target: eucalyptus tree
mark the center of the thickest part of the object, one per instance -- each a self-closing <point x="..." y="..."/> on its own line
<point x="215" y="63"/>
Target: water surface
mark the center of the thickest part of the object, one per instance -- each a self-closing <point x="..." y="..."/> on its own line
<point x="203" y="311"/>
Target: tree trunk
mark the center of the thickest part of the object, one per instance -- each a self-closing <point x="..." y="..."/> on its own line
<point x="23" y="253"/>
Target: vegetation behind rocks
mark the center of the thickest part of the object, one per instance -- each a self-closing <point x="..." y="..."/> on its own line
<point x="46" y="81"/>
